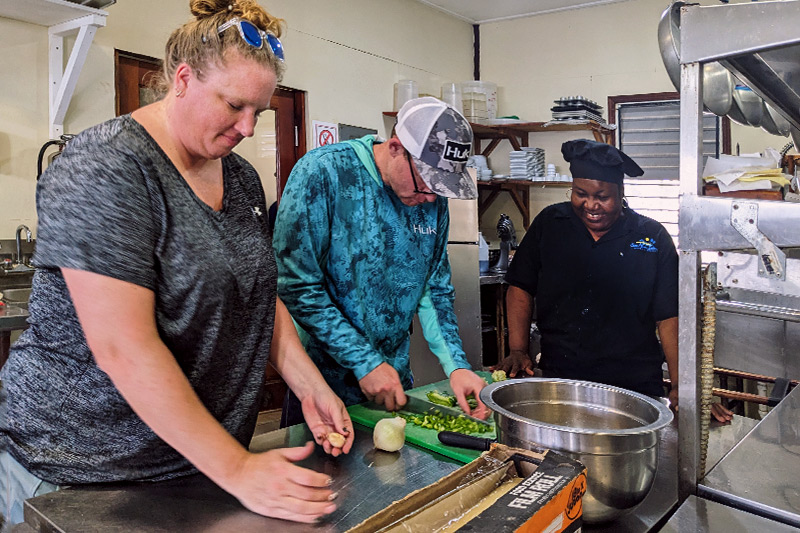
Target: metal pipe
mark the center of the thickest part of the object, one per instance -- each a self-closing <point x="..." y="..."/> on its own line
<point x="749" y="375"/>
<point x="743" y="396"/>
<point x="28" y="237"/>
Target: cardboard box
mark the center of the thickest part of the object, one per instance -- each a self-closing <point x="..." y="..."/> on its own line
<point x="504" y="490"/>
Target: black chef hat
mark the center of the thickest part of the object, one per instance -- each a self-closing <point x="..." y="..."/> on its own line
<point x="594" y="160"/>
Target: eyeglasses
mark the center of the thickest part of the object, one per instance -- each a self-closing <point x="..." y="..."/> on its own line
<point x="414" y="179"/>
<point x="254" y="36"/>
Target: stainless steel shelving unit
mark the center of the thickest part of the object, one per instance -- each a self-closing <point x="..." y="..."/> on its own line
<point x="760" y="43"/>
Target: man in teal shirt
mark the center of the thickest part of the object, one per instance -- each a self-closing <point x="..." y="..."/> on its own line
<point x="361" y="246"/>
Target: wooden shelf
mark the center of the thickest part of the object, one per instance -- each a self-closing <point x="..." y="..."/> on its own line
<point x="526" y="183"/>
<point x="45" y="12"/>
<point x="517" y="134"/>
<point x="488" y="191"/>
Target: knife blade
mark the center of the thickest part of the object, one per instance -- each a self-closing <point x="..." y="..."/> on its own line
<point x="417" y="406"/>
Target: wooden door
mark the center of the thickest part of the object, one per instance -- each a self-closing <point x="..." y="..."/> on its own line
<point x="290" y="111"/>
<point x="135" y="77"/>
<point x="288" y="134"/>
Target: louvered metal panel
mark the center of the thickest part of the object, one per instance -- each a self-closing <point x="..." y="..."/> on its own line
<point x="650" y="134"/>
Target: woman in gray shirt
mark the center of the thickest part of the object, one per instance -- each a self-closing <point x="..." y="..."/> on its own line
<point x="154" y="311"/>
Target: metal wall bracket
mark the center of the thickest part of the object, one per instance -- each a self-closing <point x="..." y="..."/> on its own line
<point x="772" y="260"/>
<point x="64" y="79"/>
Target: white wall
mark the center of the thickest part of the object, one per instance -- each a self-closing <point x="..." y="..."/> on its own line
<point x="23" y="120"/>
<point x="346" y="54"/>
<point x="595" y="52"/>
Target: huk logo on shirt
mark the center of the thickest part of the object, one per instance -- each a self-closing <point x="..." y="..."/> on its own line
<point x="455" y="151"/>
<point x="648" y="244"/>
<point x="423" y="230"/>
<point x="256" y="211"/>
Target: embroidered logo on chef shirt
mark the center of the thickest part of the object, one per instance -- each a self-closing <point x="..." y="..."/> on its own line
<point x="648" y="244"/>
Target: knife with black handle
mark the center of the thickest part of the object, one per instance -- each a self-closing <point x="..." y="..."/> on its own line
<point x="459" y="440"/>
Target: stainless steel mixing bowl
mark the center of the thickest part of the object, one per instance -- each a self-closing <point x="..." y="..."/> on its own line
<point x="718" y="82"/>
<point x="751" y="105"/>
<point x="773" y="122"/>
<point x="612" y="431"/>
<point x="795" y="133"/>
<point x="736" y="114"/>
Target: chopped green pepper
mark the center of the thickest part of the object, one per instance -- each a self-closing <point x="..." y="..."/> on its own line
<point x="441" y="398"/>
<point x="472" y="402"/>
<point x="441" y="422"/>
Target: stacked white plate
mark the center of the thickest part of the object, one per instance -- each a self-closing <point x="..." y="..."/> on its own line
<point x="527" y="163"/>
<point x="479" y="163"/>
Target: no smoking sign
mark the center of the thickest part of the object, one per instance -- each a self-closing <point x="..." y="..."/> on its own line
<point x="325" y="133"/>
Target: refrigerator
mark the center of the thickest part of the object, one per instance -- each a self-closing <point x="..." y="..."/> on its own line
<point x="462" y="250"/>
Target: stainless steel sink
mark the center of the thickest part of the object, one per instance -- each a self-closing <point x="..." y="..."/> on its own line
<point x="17" y="297"/>
<point x="16" y="278"/>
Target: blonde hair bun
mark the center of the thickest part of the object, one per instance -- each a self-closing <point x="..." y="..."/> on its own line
<point x="248" y="10"/>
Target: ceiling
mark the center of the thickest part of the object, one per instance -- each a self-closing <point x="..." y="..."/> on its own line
<point x="480" y="11"/>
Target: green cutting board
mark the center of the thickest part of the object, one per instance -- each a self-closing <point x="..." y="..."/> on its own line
<point x="419" y="436"/>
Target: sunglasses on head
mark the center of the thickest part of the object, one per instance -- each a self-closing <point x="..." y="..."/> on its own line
<point x="254" y="36"/>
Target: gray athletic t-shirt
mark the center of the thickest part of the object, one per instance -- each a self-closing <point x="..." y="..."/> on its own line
<point x="114" y="204"/>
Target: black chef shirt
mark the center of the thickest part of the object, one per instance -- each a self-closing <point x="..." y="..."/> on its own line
<point x="597" y="303"/>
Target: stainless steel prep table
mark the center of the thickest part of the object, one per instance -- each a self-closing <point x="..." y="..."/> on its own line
<point x="761" y="474"/>
<point x="704" y="516"/>
<point x="366" y="480"/>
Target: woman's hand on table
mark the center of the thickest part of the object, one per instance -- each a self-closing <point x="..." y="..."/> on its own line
<point x="518" y="362"/>
<point x="464" y="382"/>
<point x="325" y="413"/>
<point x="270" y="484"/>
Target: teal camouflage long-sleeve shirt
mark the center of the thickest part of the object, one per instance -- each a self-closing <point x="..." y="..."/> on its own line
<point x="355" y="264"/>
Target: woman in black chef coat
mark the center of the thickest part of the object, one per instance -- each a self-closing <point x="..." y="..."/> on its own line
<point x="605" y="280"/>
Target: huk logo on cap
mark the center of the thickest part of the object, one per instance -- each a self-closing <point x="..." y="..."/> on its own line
<point x="455" y="151"/>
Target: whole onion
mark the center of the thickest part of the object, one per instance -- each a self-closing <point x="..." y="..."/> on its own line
<point x="389" y="434"/>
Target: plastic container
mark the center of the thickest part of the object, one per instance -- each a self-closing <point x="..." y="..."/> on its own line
<point x="483" y="254"/>
<point x="451" y="94"/>
<point x="480" y="100"/>
<point x="404" y="90"/>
